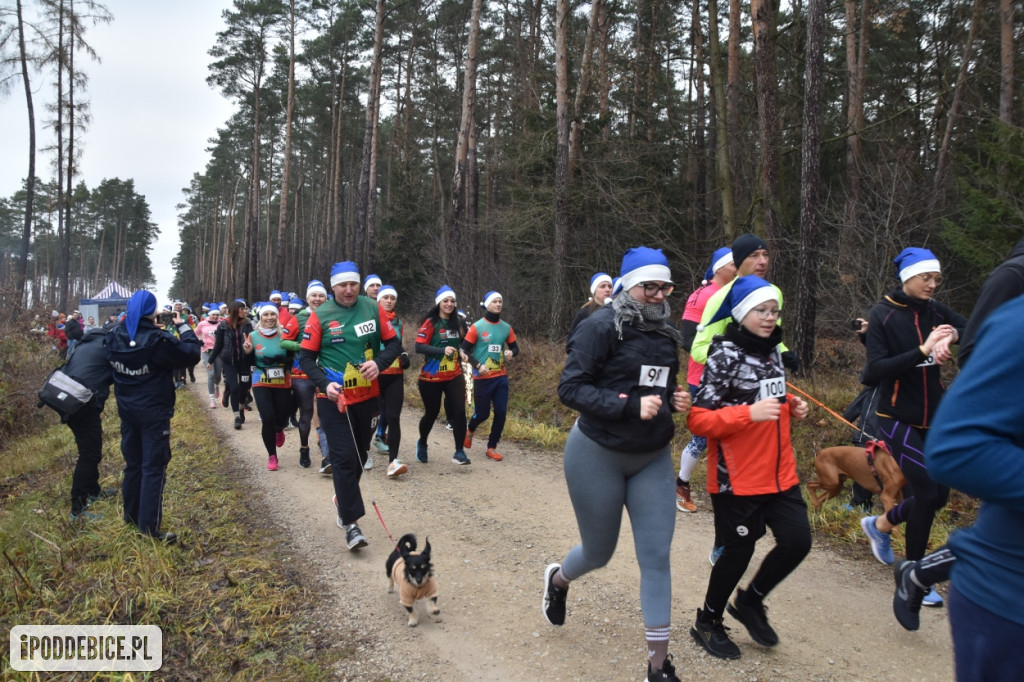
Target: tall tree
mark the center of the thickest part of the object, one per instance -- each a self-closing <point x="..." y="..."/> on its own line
<point x="763" y="13"/>
<point x="857" y="38"/>
<point x="282" y="214"/>
<point x="367" y="176"/>
<point x="30" y="182"/>
<point x="723" y="173"/>
<point x="559" y="286"/>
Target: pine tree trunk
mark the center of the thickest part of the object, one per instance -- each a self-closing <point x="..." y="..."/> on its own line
<point x="732" y="117"/>
<point x="30" y="183"/>
<point x="282" y="215"/>
<point x="810" y="184"/>
<point x="68" y="196"/>
<point x="559" y="293"/>
<point x="604" y="81"/>
<point x="856" y="79"/>
<point x="767" y="117"/>
<point x="723" y="165"/>
<point x="583" y="87"/>
<point x="1006" y="53"/>
<point x="62" y="265"/>
<point x="362" y="227"/>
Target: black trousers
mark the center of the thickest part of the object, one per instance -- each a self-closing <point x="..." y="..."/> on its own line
<point x="87" y="427"/>
<point x="740" y="520"/>
<point x="239" y="381"/>
<point x="275" y="405"/>
<point x="146" y="446"/>
<point x="304" y="393"/>
<point x="392" y="395"/>
<point x="453" y="393"/>
<point x="348" y="439"/>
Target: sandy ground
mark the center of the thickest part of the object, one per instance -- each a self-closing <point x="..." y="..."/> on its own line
<point x="494" y="526"/>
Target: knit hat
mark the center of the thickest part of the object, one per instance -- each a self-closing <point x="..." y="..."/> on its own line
<point x="596" y="281"/>
<point x="744" y="245"/>
<point x="242" y="301"/>
<point x="223" y="305"/>
<point x="719" y="259"/>
<point x="295" y="303"/>
<point x="914" y="261"/>
<point x="387" y="289"/>
<point x="214" y="311"/>
<point x="616" y="286"/>
<point x="315" y="286"/>
<point x="462" y="313"/>
<point x="490" y="296"/>
<point x="141" y="304"/>
<point x="745" y="294"/>
<point x="371" y="279"/>
<point x="265" y="306"/>
<point x="642" y="264"/>
<point x="444" y="292"/>
<point x="343" y="272"/>
<point x="205" y="307"/>
<point x="274" y="293"/>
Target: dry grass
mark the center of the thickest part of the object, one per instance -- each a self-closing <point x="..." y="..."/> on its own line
<point x="226" y="600"/>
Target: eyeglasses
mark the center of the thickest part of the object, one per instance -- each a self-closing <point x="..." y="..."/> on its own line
<point x="652" y="288"/>
<point x="767" y="313"/>
<point x="929" y="278"/>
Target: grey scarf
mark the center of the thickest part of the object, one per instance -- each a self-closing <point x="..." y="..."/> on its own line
<point x="644" y="317"/>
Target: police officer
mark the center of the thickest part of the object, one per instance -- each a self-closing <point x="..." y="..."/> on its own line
<point x="144" y="358"/>
<point x="88" y="365"/>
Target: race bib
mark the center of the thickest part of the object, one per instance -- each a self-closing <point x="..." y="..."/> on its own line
<point x="772" y="388"/>
<point x="244" y="378"/>
<point x="494" y="348"/>
<point x="368" y="327"/>
<point x="275" y="373"/>
<point x="653" y="376"/>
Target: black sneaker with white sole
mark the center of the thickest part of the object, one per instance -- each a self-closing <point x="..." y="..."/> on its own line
<point x="325" y="467"/>
<point x="354" y="537"/>
<point x="553" y="604"/>
<point x="667" y="673"/>
<point x="752" y="614"/>
<point x="711" y="634"/>
<point x="906" y="600"/>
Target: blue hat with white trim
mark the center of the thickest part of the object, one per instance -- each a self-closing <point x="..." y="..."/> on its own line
<point x="345" y="271"/>
<point x="914" y="261"/>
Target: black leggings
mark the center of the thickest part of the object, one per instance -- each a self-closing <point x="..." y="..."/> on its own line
<point x="740" y="520"/>
<point x="238" y="384"/>
<point x="275" y="406"/>
<point x="454" y="393"/>
<point x="303" y="391"/>
<point x="392" y="394"/>
<point x="922" y="497"/>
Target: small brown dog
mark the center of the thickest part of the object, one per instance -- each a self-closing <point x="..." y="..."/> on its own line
<point x="413" y="573"/>
<point x="866" y="466"/>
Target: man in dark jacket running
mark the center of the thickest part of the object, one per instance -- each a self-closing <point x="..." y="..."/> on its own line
<point x="144" y="358"/>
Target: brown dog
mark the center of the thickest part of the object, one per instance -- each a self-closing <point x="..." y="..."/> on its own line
<point x="834" y="465"/>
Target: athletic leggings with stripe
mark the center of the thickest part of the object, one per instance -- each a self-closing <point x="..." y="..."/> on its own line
<point x="601" y="483"/>
<point x="922" y="497"/>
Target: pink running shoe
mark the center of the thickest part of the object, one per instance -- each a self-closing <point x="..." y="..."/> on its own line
<point x="280" y="438"/>
<point x="213" y="403"/>
<point x="272" y="463"/>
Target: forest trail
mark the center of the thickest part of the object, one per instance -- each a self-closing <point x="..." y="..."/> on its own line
<point x="494" y="526"/>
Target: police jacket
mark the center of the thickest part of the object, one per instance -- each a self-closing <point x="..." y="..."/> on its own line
<point x="909" y="381"/>
<point x="88" y="364"/>
<point x="605" y="377"/>
<point x="143" y="372"/>
<point x="227" y="345"/>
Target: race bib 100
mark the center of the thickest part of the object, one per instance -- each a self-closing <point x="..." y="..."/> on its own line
<point x="773" y="388"/>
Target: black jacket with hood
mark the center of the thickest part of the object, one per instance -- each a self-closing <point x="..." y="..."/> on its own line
<point x="1004" y="284"/>
<point x="909" y="381"/>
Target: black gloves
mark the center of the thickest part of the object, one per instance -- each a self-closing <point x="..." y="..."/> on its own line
<point x="403" y="361"/>
<point x="791" y="361"/>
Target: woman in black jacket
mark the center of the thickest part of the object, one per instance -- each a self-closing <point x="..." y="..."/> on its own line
<point x="908" y="338"/>
<point x="229" y="347"/>
<point x="621" y="376"/>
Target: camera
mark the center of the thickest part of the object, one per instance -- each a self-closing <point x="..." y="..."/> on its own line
<point x="855" y="325"/>
<point x="164" y="319"/>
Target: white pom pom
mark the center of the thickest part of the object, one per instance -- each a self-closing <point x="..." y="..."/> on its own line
<point x="132" y="343"/>
<point x="700" y="328"/>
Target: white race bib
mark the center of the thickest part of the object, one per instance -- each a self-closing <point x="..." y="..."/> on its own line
<point x="494" y="348"/>
<point x="364" y="328"/>
<point x="654" y="376"/>
<point x="275" y="373"/>
<point x="772" y="388"/>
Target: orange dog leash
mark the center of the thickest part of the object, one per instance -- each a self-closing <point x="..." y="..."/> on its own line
<point x="821" y="405"/>
<point x="874" y="442"/>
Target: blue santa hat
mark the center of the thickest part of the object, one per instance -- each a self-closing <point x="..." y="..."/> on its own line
<point x="746" y="294"/>
<point x="914" y="261"/>
<point x="616" y="286"/>
<point x="315" y="286"/>
<point x="242" y="301"/>
<point x="643" y="264"/>
<point x="371" y="279"/>
<point x="719" y="259"/>
<point x="345" y="271"/>
<point x="444" y="292"/>
<point x="141" y="304"/>
<point x="488" y="297"/>
<point x="274" y="293"/>
<point x="264" y="306"/>
<point x="387" y="289"/>
<point x="294" y="303"/>
<point x="596" y="281"/>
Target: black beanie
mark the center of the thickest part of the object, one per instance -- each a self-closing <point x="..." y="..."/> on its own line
<point x="745" y="245"/>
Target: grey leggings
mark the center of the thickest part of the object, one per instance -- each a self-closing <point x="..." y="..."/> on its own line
<point x="601" y="482"/>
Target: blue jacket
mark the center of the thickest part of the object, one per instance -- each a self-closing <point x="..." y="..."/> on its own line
<point x="976" y="445"/>
<point x="143" y="373"/>
<point x="88" y="364"/>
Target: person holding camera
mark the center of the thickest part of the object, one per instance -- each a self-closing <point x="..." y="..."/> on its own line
<point x="144" y="359"/>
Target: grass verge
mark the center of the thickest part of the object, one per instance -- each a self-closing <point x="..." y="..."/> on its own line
<point x="226" y="599"/>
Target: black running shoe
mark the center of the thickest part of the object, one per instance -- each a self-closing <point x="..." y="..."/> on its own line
<point x="225" y="398"/>
<point x="752" y="614"/>
<point x="354" y="537"/>
<point x="667" y="673"/>
<point x="553" y="604"/>
<point x="238" y="423"/>
<point x="304" y="460"/>
<point x="325" y="467"/>
<point x="906" y="600"/>
<point x="711" y="634"/>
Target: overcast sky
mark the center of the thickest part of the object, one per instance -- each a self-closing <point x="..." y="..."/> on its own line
<point x="152" y="111"/>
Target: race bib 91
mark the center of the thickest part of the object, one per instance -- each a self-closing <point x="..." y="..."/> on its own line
<point x="773" y="388"/>
<point x="653" y="376"/>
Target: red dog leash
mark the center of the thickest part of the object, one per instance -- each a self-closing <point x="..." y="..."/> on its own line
<point x="381" y="518"/>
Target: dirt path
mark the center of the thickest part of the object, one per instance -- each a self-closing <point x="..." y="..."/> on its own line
<point x="494" y="526"/>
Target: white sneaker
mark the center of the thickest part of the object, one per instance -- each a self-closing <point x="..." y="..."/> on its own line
<point x="213" y="403"/>
<point x="368" y="464"/>
<point x="396" y="468"/>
